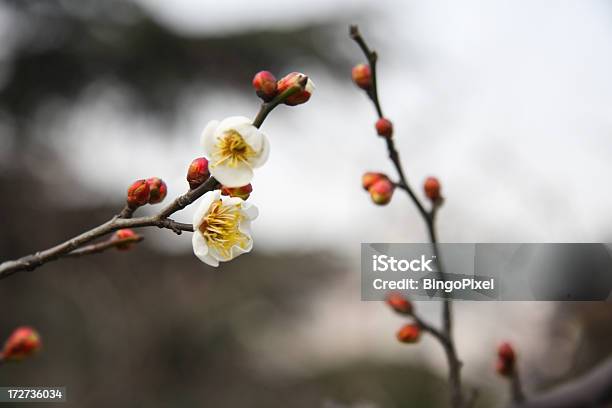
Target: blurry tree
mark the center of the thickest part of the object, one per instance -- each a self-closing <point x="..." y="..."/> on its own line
<point x="60" y="46"/>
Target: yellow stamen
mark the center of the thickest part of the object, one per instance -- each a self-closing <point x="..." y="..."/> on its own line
<point x="220" y="228"/>
<point x="233" y="149"/>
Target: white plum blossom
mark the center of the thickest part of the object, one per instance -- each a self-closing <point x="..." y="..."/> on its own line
<point x="234" y="148"/>
<point x="222" y="228"/>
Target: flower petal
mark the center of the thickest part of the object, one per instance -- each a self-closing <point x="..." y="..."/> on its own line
<point x="208" y="139"/>
<point x="201" y="249"/>
<point x="245" y="228"/>
<point x="310" y="86"/>
<point x="237" y="176"/>
<point x="264" y="152"/>
<point x="232" y="123"/>
<point x="237" y="250"/>
<point x="250" y="210"/>
<point x="253" y="136"/>
<point x="205" y="203"/>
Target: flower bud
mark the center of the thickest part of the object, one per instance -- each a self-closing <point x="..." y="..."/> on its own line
<point x="198" y="172"/>
<point x="22" y="343"/>
<point x="243" y="192"/>
<point x="432" y="188"/>
<point x="368" y="179"/>
<point x="265" y="85"/>
<point x="399" y="303"/>
<point x="157" y="189"/>
<point x="409" y="333"/>
<point x="296" y="79"/>
<point x="125" y="234"/>
<point x="381" y="191"/>
<point x="384" y="127"/>
<point x="506" y="359"/>
<point x="138" y="194"/>
<point x="362" y="76"/>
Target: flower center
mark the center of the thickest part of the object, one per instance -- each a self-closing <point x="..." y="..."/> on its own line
<point x="233" y="149"/>
<point x="220" y="228"/>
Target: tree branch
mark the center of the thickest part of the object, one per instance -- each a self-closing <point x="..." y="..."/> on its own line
<point x="516" y="389"/>
<point x="160" y="220"/>
<point x="445" y="336"/>
<point x="74" y="247"/>
<point x="591" y="390"/>
<point x="103" y="246"/>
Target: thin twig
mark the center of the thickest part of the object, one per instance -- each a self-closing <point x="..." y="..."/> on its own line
<point x="593" y="389"/>
<point x="516" y="389"/>
<point x="33" y="261"/>
<point x="426" y="327"/>
<point x="473" y="397"/>
<point x="445" y="336"/>
<point x="103" y="246"/>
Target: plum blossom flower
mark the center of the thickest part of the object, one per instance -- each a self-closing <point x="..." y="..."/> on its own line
<point x="234" y="148"/>
<point x="222" y="228"/>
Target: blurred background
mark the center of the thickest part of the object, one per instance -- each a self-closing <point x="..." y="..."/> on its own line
<point x="508" y="103"/>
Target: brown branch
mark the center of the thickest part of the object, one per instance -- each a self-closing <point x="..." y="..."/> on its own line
<point x="160" y="220"/>
<point x="445" y="336"/>
<point x="103" y="246"/>
<point x="516" y="389"/>
<point x="591" y="390"/>
<point x="473" y="397"/>
<point x="74" y="246"/>
<point x="426" y="327"/>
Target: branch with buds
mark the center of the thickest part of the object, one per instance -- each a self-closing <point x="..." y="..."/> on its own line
<point x="234" y="148"/>
<point x="506" y="367"/>
<point x="594" y="389"/>
<point x="381" y="190"/>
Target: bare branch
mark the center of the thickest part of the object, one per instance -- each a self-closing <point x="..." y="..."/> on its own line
<point x="445" y="336"/>
<point x="516" y="389"/>
<point x="103" y="246"/>
<point x="31" y="262"/>
<point x="74" y="246"/>
<point x="591" y="390"/>
<point x="426" y="327"/>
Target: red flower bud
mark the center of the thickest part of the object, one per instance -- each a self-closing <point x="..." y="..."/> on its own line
<point x="381" y="191"/>
<point x="362" y="76"/>
<point x="506" y="359"/>
<point x="138" y="194"/>
<point x="368" y="179"/>
<point x="384" y="127"/>
<point x="243" y="192"/>
<point x="265" y="85"/>
<point x="158" y="190"/>
<point x="125" y="233"/>
<point x="22" y="343"/>
<point x="295" y="79"/>
<point x="399" y="303"/>
<point x="198" y="172"/>
<point x="432" y="188"/>
<point x="409" y="333"/>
